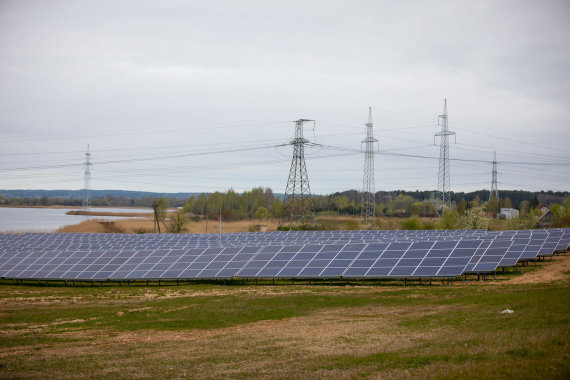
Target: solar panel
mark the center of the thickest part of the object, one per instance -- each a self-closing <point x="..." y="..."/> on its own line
<point x="303" y="254"/>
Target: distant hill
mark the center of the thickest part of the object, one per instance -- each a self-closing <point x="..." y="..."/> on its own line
<point x="93" y="194"/>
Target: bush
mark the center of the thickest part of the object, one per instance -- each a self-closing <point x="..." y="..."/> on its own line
<point x="412" y="223"/>
<point x="448" y="220"/>
<point x="262" y="213"/>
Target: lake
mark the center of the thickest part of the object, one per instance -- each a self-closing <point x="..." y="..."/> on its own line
<point x="50" y="219"/>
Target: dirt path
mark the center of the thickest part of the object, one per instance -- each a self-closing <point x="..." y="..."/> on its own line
<point x="551" y="271"/>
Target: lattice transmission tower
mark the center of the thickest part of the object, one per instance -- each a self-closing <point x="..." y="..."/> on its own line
<point x="443" y="199"/>
<point x="494" y="187"/>
<point x="86" y="178"/>
<point x="368" y="202"/>
<point x="298" y="202"/>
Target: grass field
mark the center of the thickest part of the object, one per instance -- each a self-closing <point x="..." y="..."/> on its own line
<point x="293" y="331"/>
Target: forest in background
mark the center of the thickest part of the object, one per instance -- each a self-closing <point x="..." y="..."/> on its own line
<point x="262" y="202"/>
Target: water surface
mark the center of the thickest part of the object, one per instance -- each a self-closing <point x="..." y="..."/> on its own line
<point x="50" y="219"/>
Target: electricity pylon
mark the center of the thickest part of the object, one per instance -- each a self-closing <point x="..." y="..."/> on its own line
<point x="86" y="178"/>
<point x="443" y="200"/>
<point x="494" y="187"/>
<point x="298" y="202"/>
<point x="368" y="203"/>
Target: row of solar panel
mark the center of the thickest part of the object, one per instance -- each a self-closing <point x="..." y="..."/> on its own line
<point x="293" y="235"/>
<point x="117" y="241"/>
<point x="281" y="236"/>
<point x="63" y="240"/>
<point x="420" y="259"/>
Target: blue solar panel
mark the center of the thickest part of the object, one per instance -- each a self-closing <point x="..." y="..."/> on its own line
<point x="309" y="253"/>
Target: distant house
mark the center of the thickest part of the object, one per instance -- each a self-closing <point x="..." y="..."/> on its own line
<point x="509" y="213"/>
<point x="545" y="219"/>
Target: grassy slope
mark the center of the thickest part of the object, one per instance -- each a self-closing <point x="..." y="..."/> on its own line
<point x="287" y="331"/>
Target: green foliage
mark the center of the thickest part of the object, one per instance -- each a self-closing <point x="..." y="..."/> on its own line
<point x="474" y="219"/>
<point x="276" y="208"/>
<point x="505" y="203"/>
<point x="416" y="208"/>
<point x="493" y="204"/>
<point x="261" y="213"/>
<point x="462" y="206"/>
<point x="475" y="202"/>
<point x="403" y="203"/>
<point x="448" y="221"/>
<point x="412" y="223"/>
<point x="177" y="222"/>
<point x="561" y="214"/>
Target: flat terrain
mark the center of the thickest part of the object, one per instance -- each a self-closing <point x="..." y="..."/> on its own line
<point x="293" y="331"/>
<point x="146" y="225"/>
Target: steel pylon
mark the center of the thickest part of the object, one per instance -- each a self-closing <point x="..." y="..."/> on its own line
<point x="86" y="178"/>
<point x="494" y="187"/>
<point x="443" y="200"/>
<point x="368" y="201"/>
<point x="298" y="202"/>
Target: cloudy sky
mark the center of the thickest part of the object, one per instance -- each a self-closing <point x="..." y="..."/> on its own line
<point x="197" y="96"/>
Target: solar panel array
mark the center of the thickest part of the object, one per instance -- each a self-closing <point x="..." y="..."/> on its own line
<point x="293" y="254"/>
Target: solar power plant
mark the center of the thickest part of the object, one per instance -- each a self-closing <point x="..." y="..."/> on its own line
<point x="411" y="259"/>
<point x="298" y="254"/>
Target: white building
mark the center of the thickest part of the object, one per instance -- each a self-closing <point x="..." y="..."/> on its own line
<point x="510" y="213"/>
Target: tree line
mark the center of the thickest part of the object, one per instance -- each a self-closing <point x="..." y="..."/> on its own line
<point x="263" y="203"/>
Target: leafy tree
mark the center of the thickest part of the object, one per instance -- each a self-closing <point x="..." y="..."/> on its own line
<point x="416" y="208"/>
<point x="475" y="219"/>
<point x="523" y="208"/>
<point x="277" y="207"/>
<point x="462" y="206"/>
<point x="474" y="202"/>
<point x="506" y="203"/>
<point x="402" y="202"/>
<point x="493" y="204"/>
<point x="177" y="222"/>
<point x="261" y="213"/>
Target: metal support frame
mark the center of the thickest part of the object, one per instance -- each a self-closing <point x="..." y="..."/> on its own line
<point x="494" y="187"/>
<point x="86" y="179"/>
<point x="443" y="200"/>
<point x="368" y="196"/>
<point x="298" y="202"/>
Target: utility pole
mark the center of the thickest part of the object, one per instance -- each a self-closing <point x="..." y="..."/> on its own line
<point x="494" y="187"/>
<point x="298" y="202"/>
<point x="86" y="179"/>
<point x="156" y="219"/>
<point x="443" y="200"/>
<point x="368" y="204"/>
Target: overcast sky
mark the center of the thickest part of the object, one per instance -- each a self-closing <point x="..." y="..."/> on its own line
<point x="190" y="96"/>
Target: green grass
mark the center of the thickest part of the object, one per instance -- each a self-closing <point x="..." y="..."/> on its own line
<point x="431" y="332"/>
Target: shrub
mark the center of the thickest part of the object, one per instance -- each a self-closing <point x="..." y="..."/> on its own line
<point x="448" y="220"/>
<point x="412" y="223"/>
